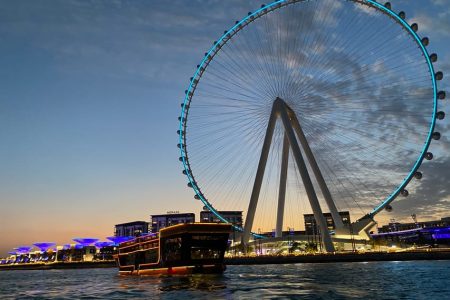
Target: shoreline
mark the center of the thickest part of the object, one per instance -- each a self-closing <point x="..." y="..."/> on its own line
<point x="60" y="265"/>
<point x="263" y="260"/>
<point x="340" y="257"/>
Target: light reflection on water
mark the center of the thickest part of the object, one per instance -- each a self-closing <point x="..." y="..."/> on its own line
<point x="375" y="280"/>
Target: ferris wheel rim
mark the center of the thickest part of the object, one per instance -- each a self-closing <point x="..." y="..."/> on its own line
<point x="265" y="9"/>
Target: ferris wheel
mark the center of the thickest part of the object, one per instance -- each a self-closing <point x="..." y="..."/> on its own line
<point x="310" y="106"/>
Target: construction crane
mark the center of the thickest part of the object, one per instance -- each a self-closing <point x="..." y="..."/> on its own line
<point x="393" y="224"/>
<point x="414" y="217"/>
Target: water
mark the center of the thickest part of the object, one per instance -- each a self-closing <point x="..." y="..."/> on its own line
<point x="374" y="280"/>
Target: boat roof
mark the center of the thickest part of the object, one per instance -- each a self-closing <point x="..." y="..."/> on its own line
<point x="195" y="228"/>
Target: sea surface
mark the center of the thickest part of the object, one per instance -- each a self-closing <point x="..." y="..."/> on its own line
<point x="372" y="280"/>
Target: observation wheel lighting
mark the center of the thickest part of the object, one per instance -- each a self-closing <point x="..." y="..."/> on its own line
<point x="340" y="92"/>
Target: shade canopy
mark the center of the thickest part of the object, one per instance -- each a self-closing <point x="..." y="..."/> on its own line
<point x="44" y="246"/>
<point x="85" y="241"/>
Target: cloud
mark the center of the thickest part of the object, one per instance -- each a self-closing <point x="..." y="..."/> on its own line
<point x="118" y="38"/>
<point x="431" y="196"/>
<point x="439" y="2"/>
<point x="436" y="25"/>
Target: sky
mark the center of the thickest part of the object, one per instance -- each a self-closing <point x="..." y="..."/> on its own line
<point x="89" y="100"/>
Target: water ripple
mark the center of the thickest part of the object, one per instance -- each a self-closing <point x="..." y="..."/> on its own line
<point x="376" y="280"/>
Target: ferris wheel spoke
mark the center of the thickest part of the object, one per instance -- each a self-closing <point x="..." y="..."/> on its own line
<point x="334" y="152"/>
<point x="243" y="82"/>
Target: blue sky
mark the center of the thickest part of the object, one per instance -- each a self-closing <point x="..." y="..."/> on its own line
<point x="89" y="100"/>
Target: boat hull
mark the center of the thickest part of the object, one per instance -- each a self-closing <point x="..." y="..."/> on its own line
<point x="183" y="270"/>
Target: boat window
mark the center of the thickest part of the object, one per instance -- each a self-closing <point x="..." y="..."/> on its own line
<point x="151" y="256"/>
<point x="127" y="260"/>
<point x="204" y="253"/>
<point x="172" y="249"/>
<point x="207" y="237"/>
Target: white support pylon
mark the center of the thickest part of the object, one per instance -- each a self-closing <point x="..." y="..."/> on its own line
<point x="281" y="110"/>
<point x="317" y="173"/>
<point x="259" y="177"/>
<point x="282" y="188"/>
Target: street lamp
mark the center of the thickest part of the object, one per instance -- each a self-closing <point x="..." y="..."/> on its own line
<point x="259" y="241"/>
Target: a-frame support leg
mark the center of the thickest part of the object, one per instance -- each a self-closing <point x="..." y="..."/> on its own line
<point x="317" y="173"/>
<point x="259" y="177"/>
<point x="282" y="187"/>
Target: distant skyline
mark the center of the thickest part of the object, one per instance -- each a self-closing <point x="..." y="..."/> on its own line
<point x="89" y="102"/>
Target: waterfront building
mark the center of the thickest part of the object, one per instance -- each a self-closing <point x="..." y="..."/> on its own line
<point x="22" y="254"/>
<point x="46" y="252"/>
<point x="311" y="224"/>
<point x="429" y="233"/>
<point x="131" y="228"/>
<point x="169" y="219"/>
<point x="84" y="250"/>
<point x="233" y="217"/>
<point x="396" y="226"/>
<point x="105" y="251"/>
<point x="79" y="252"/>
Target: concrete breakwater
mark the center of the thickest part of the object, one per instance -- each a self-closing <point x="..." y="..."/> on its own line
<point x="59" y="265"/>
<point x="340" y="257"/>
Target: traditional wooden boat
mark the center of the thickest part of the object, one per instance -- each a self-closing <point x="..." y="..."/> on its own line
<point x="178" y="249"/>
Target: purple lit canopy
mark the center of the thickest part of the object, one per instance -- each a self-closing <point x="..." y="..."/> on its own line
<point x="441" y="233"/>
<point x="103" y="244"/>
<point x="441" y="236"/>
<point x="85" y="241"/>
<point x="23" y="249"/>
<point x="44" y="246"/>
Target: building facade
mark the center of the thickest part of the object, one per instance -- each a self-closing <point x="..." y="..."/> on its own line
<point x="234" y="217"/>
<point x="169" y="219"/>
<point x="430" y="233"/>
<point x="311" y="227"/>
<point x="131" y="228"/>
<point x="396" y="226"/>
